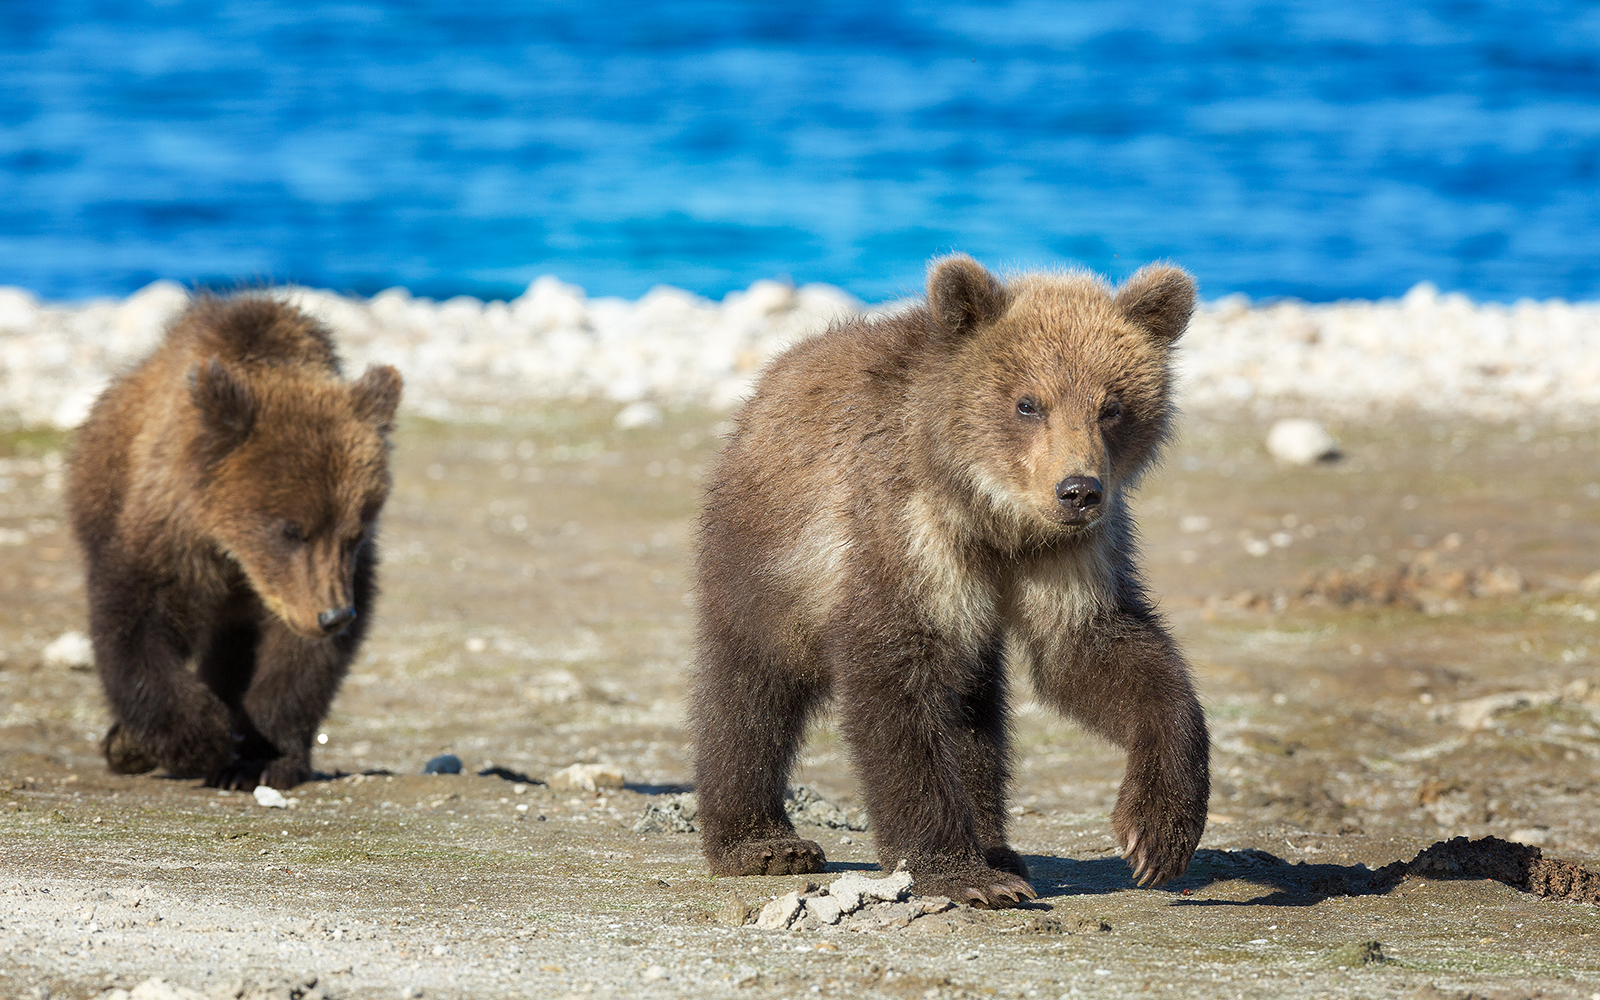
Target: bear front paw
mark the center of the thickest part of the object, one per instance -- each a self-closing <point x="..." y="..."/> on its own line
<point x="779" y="856"/>
<point x="239" y="775"/>
<point x="981" y="887"/>
<point x="1004" y="859"/>
<point x="1157" y="837"/>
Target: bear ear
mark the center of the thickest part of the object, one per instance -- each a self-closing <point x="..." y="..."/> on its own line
<point x="963" y="295"/>
<point x="1160" y="298"/>
<point x="227" y="407"/>
<point x="376" y="395"/>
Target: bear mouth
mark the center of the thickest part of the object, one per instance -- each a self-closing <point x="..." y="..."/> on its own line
<point x="1075" y="522"/>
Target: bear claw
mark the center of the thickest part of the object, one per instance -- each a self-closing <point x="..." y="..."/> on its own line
<point x="985" y="889"/>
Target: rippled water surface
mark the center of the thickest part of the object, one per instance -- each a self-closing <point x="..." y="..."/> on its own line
<point x="1320" y="150"/>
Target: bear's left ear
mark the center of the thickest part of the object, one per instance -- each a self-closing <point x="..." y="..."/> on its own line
<point x="963" y="295"/>
<point x="376" y="395"/>
<point x="1160" y="298"/>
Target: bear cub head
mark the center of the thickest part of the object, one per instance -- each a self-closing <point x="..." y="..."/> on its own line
<point x="296" y="471"/>
<point x="1054" y="390"/>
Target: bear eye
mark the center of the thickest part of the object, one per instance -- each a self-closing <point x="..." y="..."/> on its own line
<point x="1027" y="406"/>
<point x="293" y="532"/>
<point x="1112" y="409"/>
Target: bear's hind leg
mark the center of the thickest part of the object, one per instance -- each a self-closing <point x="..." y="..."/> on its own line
<point x="162" y="715"/>
<point x="921" y="760"/>
<point x="985" y="761"/>
<point x="748" y="725"/>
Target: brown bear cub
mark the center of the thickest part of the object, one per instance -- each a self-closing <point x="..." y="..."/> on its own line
<point x="910" y="505"/>
<point x="226" y="495"/>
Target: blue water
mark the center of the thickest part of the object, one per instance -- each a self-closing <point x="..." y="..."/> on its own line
<point x="1312" y="149"/>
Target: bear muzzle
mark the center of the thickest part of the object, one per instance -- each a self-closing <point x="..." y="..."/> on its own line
<point x="1078" y="499"/>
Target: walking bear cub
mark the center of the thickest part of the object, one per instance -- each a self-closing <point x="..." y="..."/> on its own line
<point x="909" y="505"/>
<point x="226" y="495"/>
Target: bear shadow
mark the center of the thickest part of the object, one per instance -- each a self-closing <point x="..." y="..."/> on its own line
<point x="1283" y="884"/>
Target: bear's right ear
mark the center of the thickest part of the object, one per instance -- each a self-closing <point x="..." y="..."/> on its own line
<point x="227" y="409"/>
<point x="377" y="395"/>
<point x="963" y="295"/>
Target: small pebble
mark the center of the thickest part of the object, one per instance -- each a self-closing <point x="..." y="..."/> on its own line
<point x="270" y="797"/>
<point x="1301" y="442"/>
<point x="445" y="763"/>
<point x="588" y="777"/>
<point x="71" y="650"/>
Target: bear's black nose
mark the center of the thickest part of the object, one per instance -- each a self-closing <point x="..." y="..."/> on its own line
<point x="1079" y="492"/>
<point x="334" y="619"/>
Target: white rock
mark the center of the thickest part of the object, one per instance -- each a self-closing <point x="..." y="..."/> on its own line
<point x="778" y="914"/>
<point x="270" y="797"/>
<point x="1479" y="712"/>
<point x="588" y="777"/>
<point x="853" y="891"/>
<point x="71" y="650"/>
<point x="827" y="908"/>
<point x="1301" y="442"/>
<point x="160" y="989"/>
<point x="1431" y="352"/>
<point x="639" y="414"/>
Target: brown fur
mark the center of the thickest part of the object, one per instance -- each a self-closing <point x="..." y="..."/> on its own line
<point x="887" y="525"/>
<point x="226" y="494"/>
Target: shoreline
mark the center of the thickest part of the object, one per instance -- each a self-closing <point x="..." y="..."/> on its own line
<point x="1353" y="360"/>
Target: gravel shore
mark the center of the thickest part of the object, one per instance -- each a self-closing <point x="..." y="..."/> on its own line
<point x="1425" y="352"/>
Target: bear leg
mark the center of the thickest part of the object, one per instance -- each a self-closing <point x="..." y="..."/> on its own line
<point x="124" y="754"/>
<point x="289" y="694"/>
<point x="748" y="725"/>
<point x="163" y="716"/>
<point x="984" y="748"/>
<point x="921" y="759"/>
<point x="1126" y="680"/>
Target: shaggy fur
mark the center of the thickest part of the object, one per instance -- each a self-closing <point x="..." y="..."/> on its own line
<point x="226" y="494"/>
<point x="907" y="507"/>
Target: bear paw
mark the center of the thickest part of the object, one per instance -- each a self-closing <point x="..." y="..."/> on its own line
<point x="1004" y="859"/>
<point x="780" y="856"/>
<point x="1157" y="842"/>
<point x="124" y="754"/>
<point x="983" y="888"/>
<point x="239" y="775"/>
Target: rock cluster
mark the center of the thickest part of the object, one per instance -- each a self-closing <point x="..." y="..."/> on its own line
<point x="853" y="902"/>
<point x="1432" y="352"/>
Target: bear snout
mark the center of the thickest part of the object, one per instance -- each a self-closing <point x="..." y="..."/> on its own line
<point x="333" y="620"/>
<point x="1079" y="496"/>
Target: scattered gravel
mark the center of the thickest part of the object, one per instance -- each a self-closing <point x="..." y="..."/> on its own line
<point x="806" y="807"/>
<point x="674" y="814"/>
<point x="857" y="903"/>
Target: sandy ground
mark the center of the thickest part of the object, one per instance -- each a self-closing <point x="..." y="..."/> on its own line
<point x="1393" y="650"/>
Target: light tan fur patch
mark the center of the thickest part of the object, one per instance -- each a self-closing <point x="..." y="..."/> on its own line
<point x="1052" y="596"/>
<point x="812" y="565"/>
<point x="959" y="601"/>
